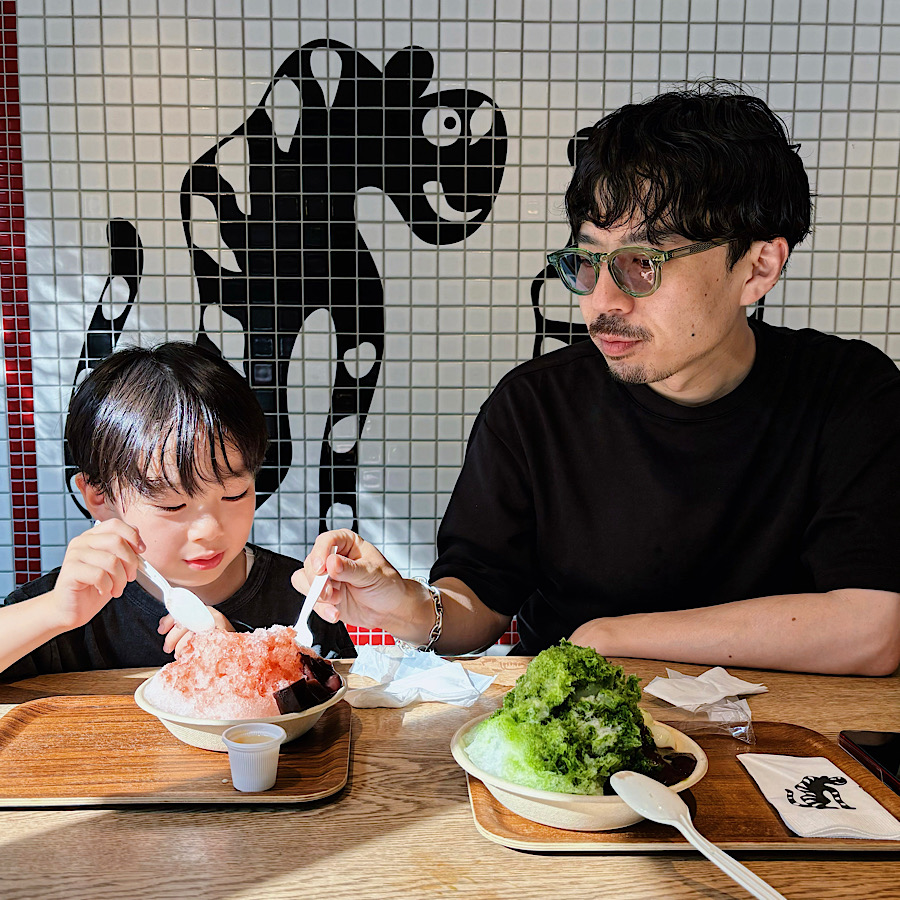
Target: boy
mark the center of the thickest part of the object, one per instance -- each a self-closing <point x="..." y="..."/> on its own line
<point x="168" y="442"/>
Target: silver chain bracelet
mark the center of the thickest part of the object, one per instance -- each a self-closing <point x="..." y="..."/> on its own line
<point x="435" y="634"/>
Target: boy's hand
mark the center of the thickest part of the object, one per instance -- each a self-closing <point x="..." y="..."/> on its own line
<point x="97" y="566"/>
<point x="177" y="635"/>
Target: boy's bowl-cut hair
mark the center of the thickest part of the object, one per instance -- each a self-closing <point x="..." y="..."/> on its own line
<point x="705" y="163"/>
<point x="173" y="402"/>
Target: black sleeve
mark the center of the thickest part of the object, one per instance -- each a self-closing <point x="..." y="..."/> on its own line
<point x="487" y="535"/>
<point x="854" y="534"/>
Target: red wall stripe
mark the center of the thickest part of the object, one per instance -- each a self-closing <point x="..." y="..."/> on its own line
<point x="361" y="635"/>
<point x="16" y="326"/>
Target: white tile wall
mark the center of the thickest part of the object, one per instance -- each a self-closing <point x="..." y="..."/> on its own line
<point x="119" y="97"/>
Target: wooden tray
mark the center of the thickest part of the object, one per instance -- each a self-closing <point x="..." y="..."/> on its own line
<point x="726" y="805"/>
<point x="105" y="751"/>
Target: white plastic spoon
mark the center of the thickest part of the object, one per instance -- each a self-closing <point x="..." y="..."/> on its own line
<point x="187" y="609"/>
<point x="304" y="636"/>
<point x="658" y="803"/>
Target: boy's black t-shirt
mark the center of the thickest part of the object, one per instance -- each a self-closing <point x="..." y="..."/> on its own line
<point x="124" y="633"/>
<point x="582" y="497"/>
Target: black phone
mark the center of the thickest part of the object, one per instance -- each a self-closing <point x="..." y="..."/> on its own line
<point x="878" y="751"/>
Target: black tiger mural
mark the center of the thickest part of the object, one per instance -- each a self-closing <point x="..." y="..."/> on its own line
<point x="297" y="244"/>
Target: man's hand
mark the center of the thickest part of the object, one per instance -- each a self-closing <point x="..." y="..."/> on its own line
<point x="177" y="635"/>
<point x="363" y="588"/>
<point x="97" y="566"/>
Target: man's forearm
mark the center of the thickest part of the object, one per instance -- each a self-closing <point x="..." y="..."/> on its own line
<point x="469" y="625"/>
<point x="846" y="632"/>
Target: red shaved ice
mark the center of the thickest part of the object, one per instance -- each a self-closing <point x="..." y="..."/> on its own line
<point x="228" y="675"/>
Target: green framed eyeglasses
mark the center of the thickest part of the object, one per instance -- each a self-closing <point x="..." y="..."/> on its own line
<point x="636" y="270"/>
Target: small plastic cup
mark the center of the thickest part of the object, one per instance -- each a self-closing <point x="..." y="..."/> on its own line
<point x="253" y="750"/>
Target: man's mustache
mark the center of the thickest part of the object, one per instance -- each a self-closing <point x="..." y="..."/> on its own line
<point x="613" y="326"/>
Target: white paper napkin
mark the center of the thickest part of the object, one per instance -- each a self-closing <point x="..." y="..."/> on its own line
<point x="407" y="676"/>
<point x="816" y="799"/>
<point x="690" y="692"/>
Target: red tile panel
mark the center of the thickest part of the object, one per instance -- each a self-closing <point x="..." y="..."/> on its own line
<point x="16" y="328"/>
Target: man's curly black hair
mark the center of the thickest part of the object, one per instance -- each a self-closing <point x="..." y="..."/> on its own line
<point x="703" y="163"/>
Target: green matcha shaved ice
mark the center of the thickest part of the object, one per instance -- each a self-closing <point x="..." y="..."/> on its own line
<point x="570" y="722"/>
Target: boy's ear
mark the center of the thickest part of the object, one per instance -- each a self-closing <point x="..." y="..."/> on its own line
<point x="95" y="501"/>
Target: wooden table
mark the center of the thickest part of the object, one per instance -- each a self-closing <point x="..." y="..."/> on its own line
<point x="402" y="827"/>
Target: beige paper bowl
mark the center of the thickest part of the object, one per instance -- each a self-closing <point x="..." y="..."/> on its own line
<point x="574" y="812"/>
<point x="207" y="733"/>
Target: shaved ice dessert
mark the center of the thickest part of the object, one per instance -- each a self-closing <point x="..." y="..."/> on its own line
<point x="569" y="723"/>
<point x="233" y="675"/>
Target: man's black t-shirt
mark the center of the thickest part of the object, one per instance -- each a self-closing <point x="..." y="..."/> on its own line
<point x="582" y="497"/>
<point x="124" y="633"/>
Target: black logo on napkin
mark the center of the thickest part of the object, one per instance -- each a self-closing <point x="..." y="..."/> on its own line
<point x="818" y="792"/>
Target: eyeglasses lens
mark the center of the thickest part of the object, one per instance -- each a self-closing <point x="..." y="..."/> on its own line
<point x="578" y="273"/>
<point x="633" y="272"/>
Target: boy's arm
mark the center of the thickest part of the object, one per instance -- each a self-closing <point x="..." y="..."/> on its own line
<point x="97" y="566"/>
<point x="24" y="627"/>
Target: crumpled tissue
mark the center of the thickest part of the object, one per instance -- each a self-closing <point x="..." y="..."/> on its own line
<point x="708" y="702"/>
<point x="407" y="676"/>
<point x="691" y="692"/>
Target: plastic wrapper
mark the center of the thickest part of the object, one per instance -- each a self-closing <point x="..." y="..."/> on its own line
<point x="730" y="716"/>
<point x="705" y="704"/>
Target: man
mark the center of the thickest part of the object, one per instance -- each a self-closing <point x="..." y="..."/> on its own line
<point x="705" y="488"/>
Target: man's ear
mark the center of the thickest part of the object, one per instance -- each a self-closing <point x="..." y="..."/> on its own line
<point x="767" y="260"/>
<point x="95" y="501"/>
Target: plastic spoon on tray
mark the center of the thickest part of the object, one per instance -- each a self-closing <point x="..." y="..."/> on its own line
<point x="187" y="609"/>
<point x="304" y="636"/>
<point x="658" y="803"/>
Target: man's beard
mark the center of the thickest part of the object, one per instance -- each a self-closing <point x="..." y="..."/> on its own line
<point x="613" y="326"/>
<point x="632" y="374"/>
